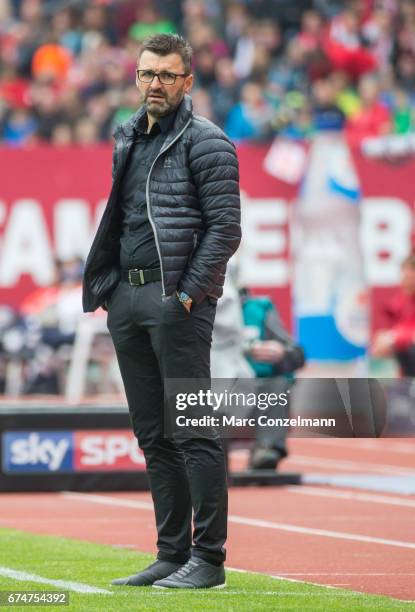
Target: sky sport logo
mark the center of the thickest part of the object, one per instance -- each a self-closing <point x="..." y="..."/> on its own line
<point x="70" y="451"/>
<point x="37" y="451"/>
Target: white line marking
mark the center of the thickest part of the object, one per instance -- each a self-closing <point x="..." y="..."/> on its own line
<point x="241" y="592"/>
<point x="340" y="535"/>
<point x="244" y="571"/>
<point x="68" y="585"/>
<point x="379" y="445"/>
<point x="110" y="500"/>
<point x="360" y="466"/>
<point x="283" y="574"/>
<point x="319" y="584"/>
<point x="349" y="495"/>
<point x="249" y="522"/>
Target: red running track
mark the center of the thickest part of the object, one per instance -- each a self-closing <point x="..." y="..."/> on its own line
<point x="354" y="539"/>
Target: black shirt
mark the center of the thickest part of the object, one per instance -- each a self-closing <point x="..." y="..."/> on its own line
<point x="138" y="245"/>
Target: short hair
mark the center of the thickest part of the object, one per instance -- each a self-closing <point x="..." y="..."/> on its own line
<point x="164" y="44"/>
<point x="409" y="261"/>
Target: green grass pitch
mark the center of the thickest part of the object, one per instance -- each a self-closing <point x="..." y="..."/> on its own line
<point x="96" y="565"/>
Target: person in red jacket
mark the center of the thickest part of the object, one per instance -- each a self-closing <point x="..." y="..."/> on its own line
<point x="398" y="340"/>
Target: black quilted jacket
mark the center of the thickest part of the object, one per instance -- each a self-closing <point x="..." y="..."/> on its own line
<point x="193" y="206"/>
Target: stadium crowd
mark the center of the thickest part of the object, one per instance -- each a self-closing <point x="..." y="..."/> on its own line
<point x="262" y="67"/>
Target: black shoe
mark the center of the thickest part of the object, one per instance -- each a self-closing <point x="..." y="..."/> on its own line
<point x="266" y="458"/>
<point x="155" y="571"/>
<point x="196" y="574"/>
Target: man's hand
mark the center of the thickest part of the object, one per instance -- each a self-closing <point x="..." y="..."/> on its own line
<point x="187" y="306"/>
<point x="270" y="351"/>
<point x="185" y="300"/>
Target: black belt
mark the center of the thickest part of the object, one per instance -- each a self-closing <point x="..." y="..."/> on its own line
<point x="141" y="277"/>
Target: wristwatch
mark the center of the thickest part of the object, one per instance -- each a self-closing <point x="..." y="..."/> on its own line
<point x="184" y="298"/>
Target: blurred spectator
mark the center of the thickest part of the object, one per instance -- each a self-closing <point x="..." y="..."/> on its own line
<point x="86" y="132"/>
<point x="202" y="104"/>
<point x="128" y="105"/>
<point x="311" y="34"/>
<point x="274" y="356"/>
<point x="299" y="124"/>
<point x="97" y="24"/>
<point x="289" y="71"/>
<point x="405" y="69"/>
<point x="62" y="135"/>
<point x="38" y="339"/>
<point x="100" y="113"/>
<point x="46" y="108"/>
<point x="403" y="114"/>
<point x="19" y="128"/>
<point x="254" y="50"/>
<point x="346" y="96"/>
<point x="345" y="46"/>
<point x="373" y="119"/>
<point x="13" y="88"/>
<point x="66" y="30"/>
<point x="398" y="338"/>
<point x="148" y="23"/>
<point x="205" y="67"/>
<point x="224" y="91"/>
<point x="251" y="117"/>
<point x="327" y="114"/>
<point x="27" y="34"/>
<point x="236" y="23"/>
<point x="228" y="359"/>
<point x="51" y="60"/>
<point x="377" y="34"/>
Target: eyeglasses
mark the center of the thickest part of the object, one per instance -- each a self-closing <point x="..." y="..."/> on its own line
<point x="167" y="78"/>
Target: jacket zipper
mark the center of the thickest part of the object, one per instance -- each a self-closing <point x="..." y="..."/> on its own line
<point x="150" y="218"/>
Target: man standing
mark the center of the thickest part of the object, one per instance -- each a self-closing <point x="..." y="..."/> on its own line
<point x="157" y="264"/>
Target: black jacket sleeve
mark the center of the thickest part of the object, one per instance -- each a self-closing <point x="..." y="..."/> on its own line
<point x="215" y="173"/>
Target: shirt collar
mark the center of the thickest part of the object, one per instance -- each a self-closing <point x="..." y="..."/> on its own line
<point x="164" y="123"/>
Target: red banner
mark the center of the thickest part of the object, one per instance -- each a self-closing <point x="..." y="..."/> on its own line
<point x="387" y="224"/>
<point x="49" y="203"/>
<point x="264" y="258"/>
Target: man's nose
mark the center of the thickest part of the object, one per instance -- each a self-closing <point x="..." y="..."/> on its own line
<point x="156" y="81"/>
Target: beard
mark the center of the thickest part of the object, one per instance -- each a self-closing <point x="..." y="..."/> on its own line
<point x="164" y="105"/>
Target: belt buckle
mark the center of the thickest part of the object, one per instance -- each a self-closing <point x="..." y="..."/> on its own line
<point x="129" y="276"/>
<point x="140" y="276"/>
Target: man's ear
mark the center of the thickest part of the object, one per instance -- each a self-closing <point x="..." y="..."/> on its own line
<point x="188" y="83"/>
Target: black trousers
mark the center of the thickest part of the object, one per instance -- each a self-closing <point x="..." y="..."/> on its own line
<point x="155" y="340"/>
